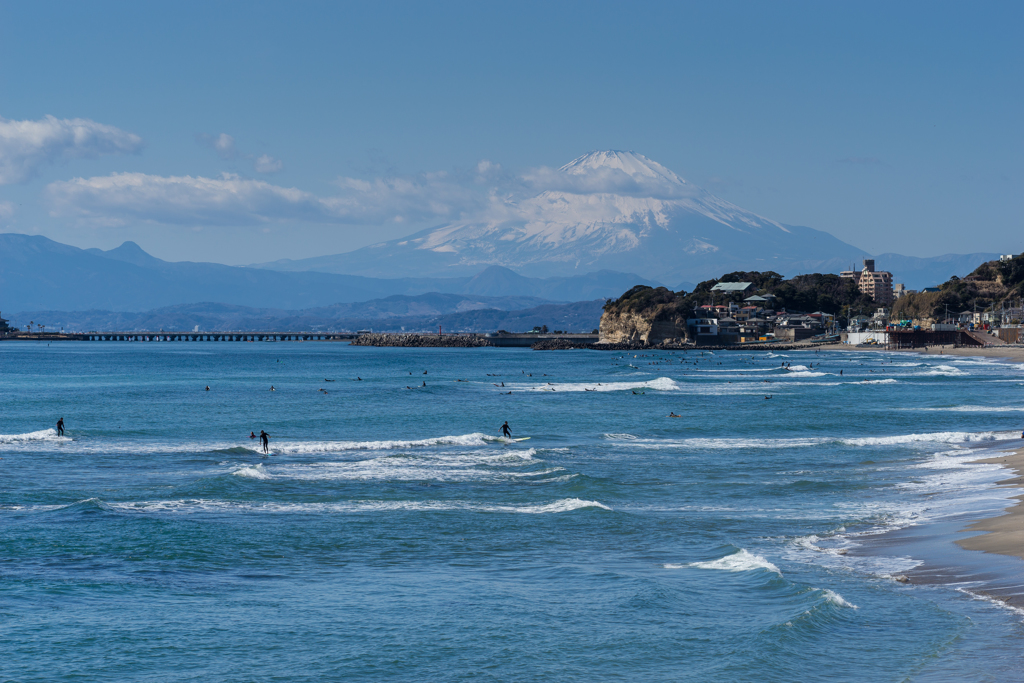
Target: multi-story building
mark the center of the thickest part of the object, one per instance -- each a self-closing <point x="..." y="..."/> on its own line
<point x="875" y="283"/>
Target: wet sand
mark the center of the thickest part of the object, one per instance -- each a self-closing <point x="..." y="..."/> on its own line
<point x="999" y="535"/>
<point x="1004" y="535"/>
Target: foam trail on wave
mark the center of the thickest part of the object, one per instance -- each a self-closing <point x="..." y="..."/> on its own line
<point x="42" y="435"/>
<point x="205" y="505"/>
<point x="299" y="447"/>
<point x="659" y="384"/>
<point x="943" y="371"/>
<point x="741" y="561"/>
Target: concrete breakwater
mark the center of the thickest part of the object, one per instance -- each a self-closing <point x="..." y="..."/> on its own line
<point x="421" y="340"/>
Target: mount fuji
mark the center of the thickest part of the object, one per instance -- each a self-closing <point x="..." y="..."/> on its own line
<point x="606" y="210"/>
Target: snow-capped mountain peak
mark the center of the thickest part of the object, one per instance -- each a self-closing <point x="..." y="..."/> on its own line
<point x="611" y="210"/>
<point x="636" y="166"/>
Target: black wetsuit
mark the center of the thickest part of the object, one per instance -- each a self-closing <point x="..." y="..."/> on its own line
<point x="60" y="427"/>
<point x="506" y="431"/>
<point x="265" y="438"/>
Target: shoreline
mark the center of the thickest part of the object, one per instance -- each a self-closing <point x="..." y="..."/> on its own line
<point x="1002" y="534"/>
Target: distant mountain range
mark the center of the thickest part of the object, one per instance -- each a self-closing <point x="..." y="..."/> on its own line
<point x="454" y="313"/>
<point x="592" y="229"/>
<point x="623" y="212"/>
<point x="37" y="273"/>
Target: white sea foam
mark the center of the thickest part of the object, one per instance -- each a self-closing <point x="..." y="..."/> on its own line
<point x="252" y="472"/>
<point x="837" y="599"/>
<point x="975" y="409"/>
<point x="299" y="447"/>
<point x="806" y="442"/>
<point x="42" y="435"/>
<point x="741" y="561"/>
<point x="187" y="506"/>
<point x="659" y="384"/>
<point x="995" y="602"/>
<point x="943" y="370"/>
<point x="888" y="380"/>
<point x="484" y="465"/>
<point x="802" y="371"/>
<point x="934" y="437"/>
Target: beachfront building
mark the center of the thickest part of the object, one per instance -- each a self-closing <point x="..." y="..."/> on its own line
<point x="875" y="283"/>
<point x="900" y="290"/>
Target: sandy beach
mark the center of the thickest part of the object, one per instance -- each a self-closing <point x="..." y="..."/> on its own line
<point x="1005" y="533"/>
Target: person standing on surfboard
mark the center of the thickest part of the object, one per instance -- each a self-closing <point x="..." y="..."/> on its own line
<point x="265" y="440"/>
<point x="60" y="427"/>
<point x="505" y="430"/>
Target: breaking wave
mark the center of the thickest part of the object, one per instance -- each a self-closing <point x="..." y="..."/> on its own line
<point x="300" y="447"/>
<point x="837" y="599"/>
<point x="740" y="561"/>
<point x="659" y="384"/>
<point x="186" y="506"/>
<point x="252" y="472"/>
<point x="42" y="435"/>
<point x="943" y="371"/>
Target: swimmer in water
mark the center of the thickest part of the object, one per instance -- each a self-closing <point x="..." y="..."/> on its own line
<point x="252" y="435"/>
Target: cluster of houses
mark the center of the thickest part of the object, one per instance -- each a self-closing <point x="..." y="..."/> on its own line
<point x="758" y="320"/>
<point x="755" y="320"/>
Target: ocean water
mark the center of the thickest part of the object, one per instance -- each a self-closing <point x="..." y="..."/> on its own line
<point x="393" y="535"/>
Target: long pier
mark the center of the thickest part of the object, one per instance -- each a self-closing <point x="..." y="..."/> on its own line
<point x="162" y="336"/>
<point x="493" y="339"/>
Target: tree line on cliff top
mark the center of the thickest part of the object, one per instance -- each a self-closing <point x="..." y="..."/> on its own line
<point x="986" y="288"/>
<point x="804" y="293"/>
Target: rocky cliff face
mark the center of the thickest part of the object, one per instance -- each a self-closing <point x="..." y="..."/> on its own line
<point x="643" y="315"/>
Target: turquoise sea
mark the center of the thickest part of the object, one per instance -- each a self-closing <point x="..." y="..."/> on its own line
<point x="392" y="535"/>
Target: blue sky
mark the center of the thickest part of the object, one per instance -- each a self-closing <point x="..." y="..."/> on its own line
<point x="246" y="132"/>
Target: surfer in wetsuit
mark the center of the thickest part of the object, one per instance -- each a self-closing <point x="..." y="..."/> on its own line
<point x="60" y="427"/>
<point x="505" y="431"/>
<point x="265" y="440"/>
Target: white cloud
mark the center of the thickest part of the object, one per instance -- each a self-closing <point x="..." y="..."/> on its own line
<point x="267" y="164"/>
<point x="182" y="200"/>
<point x="233" y="200"/>
<point x="6" y="209"/>
<point x="482" y="192"/>
<point x="27" y="145"/>
<point x="223" y="145"/>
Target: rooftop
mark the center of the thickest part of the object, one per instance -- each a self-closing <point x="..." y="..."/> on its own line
<point x="731" y="287"/>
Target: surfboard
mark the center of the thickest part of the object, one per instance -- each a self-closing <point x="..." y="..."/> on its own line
<point x="522" y="438"/>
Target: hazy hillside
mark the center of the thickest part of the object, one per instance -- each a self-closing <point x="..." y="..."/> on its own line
<point x="37" y="273"/>
<point x="423" y="313"/>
